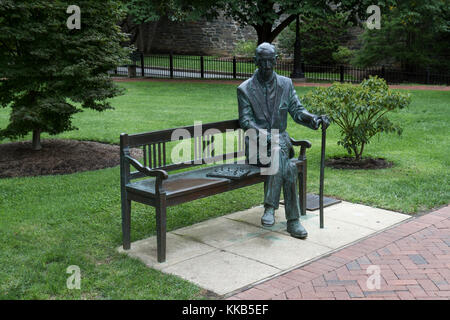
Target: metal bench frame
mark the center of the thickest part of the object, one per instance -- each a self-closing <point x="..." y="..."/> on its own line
<point x="156" y="166"/>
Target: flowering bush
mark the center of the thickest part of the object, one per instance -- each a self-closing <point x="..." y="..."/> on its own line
<point x="359" y="110"/>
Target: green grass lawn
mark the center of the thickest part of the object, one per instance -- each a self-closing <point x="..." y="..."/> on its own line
<point x="49" y="223"/>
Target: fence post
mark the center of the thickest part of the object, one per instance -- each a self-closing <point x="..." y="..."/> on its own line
<point x="202" y="67"/>
<point x="171" y="65"/>
<point x="234" y="68"/>
<point x="383" y="73"/>
<point x="132" y="67"/>
<point x="341" y="69"/>
<point x="142" y="65"/>
<point x="428" y="75"/>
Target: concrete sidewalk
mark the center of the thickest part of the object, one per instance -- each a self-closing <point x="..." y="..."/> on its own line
<point x="412" y="260"/>
<point x="230" y="253"/>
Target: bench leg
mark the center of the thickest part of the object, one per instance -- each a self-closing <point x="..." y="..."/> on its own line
<point x="161" y="229"/>
<point x="126" y="223"/>
<point x="302" y="189"/>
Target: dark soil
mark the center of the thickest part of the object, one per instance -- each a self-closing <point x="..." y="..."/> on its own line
<point x="57" y="156"/>
<point x="364" y="163"/>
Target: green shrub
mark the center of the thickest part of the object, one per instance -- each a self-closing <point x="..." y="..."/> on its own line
<point x="343" y="55"/>
<point x="359" y="111"/>
<point x="245" y="48"/>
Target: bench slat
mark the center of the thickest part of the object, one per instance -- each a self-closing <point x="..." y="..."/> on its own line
<point x="139" y="139"/>
<point x="154" y="155"/>
<point x="164" y="154"/>
<point x="159" y="155"/>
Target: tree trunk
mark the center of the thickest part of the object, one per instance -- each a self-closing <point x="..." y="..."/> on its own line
<point x="141" y="35"/>
<point x="265" y="32"/>
<point x="355" y="151"/>
<point x="361" y="152"/>
<point x="129" y="27"/>
<point x="37" y="139"/>
<point x="146" y="35"/>
<point x="297" y="73"/>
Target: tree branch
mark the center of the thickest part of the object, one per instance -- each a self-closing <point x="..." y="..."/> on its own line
<point x="275" y="32"/>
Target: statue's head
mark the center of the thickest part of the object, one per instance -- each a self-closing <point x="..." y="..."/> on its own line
<point x="265" y="59"/>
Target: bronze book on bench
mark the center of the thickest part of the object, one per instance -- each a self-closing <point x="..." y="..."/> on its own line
<point x="232" y="173"/>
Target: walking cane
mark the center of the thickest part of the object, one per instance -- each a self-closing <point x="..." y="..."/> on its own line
<point x="322" y="169"/>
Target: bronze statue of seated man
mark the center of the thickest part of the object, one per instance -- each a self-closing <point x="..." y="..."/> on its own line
<point x="264" y="101"/>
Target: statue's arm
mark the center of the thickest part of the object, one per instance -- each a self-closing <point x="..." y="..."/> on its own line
<point x="298" y="111"/>
<point x="246" y="115"/>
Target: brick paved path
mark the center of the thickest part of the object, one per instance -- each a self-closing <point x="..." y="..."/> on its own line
<point x="413" y="260"/>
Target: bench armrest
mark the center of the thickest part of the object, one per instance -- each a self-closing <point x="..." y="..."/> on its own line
<point x="304" y="144"/>
<point x="158" y="173"/>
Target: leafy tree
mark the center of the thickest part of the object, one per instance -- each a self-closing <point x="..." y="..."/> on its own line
<point x="359" y="111"/>
<point x="50" y="72"/>
<point x="176" y="10"/>
<point x="413" y="33"/>
<point x="267" y="17"/>
<point x="320" y="37"/>
<point x="140" y="12"/>
<point x="356" y="10"/>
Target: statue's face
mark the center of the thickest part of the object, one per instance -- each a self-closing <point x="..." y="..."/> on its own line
<point x="265" y="61"/>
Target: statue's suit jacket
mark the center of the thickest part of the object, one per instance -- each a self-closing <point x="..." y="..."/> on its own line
<point x="255" y="113"/>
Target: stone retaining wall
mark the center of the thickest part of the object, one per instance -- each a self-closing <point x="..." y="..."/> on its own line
<point x="218" y="37"/>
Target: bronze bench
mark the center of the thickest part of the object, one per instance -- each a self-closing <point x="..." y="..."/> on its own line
<point x="161" y="190"/>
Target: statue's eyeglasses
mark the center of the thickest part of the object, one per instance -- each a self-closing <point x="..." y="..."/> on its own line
<point x="266" y="61"/>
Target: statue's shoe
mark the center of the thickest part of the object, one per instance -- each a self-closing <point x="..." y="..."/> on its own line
<point x="296" y="230"/>
<point x="268" y="218"/>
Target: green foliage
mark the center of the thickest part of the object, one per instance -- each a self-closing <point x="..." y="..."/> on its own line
<point x="50" y="71"/>
<point x="359" y="111"/>
<point x="245" y="48"/>
<point x="319" y="37"/>
<point x="413" y="33"/>
<point x="175" y="10"/>
<point x="343" y="55"/>
<point x="267" y="17"/>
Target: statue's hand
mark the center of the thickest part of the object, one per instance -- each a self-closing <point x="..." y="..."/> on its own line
<point x="325" y="121"/>
<point x="321" y="120"/>
<point x="317" y="120"/>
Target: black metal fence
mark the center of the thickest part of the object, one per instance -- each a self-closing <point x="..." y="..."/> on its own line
<point x="207" y="67"/>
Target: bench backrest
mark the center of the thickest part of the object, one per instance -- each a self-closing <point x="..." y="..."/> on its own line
<point x="155" y="145"/>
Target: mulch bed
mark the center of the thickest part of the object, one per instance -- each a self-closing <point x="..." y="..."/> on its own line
<point x="57" y="156"/>
<point x="351" y="163"/>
